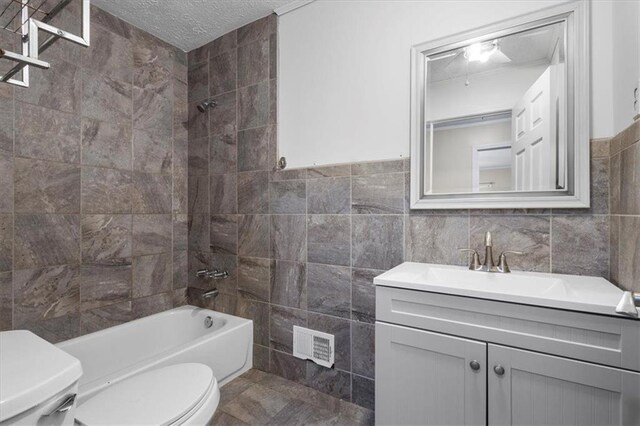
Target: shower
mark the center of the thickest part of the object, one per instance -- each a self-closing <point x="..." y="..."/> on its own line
<point x="202" y="106"/>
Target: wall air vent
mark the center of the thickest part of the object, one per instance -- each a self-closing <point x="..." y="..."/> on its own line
<point x="314" y="345"/>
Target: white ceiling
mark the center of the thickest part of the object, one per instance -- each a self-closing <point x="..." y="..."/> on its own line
<point x="188" y="24"/>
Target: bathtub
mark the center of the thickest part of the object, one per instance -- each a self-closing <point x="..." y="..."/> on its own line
<point x="170" y="337"/>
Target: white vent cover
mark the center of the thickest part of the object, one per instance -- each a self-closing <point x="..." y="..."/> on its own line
<point x="314" y="345"/>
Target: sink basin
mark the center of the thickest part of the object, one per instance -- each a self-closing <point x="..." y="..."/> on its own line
<point x="572" y="292"/>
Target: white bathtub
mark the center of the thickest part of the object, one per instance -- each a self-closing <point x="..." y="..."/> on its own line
<point x="171" y="337"/>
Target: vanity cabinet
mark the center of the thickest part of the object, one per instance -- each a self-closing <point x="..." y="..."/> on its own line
<point x="451" y="360"/>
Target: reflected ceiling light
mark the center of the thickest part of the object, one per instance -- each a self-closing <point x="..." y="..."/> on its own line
<point x="480" y="52"/>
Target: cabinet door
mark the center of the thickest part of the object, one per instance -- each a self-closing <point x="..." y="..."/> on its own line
<point x="425" y="378"/>
<point x="537" y="389"/>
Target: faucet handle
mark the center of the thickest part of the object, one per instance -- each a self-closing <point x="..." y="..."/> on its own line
<point x="629" y="304"/>
<point x="503" y="266"/>
<point x="475" y="264"/>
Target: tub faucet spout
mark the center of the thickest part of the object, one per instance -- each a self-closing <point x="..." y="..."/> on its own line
<point x="210" y="293"/>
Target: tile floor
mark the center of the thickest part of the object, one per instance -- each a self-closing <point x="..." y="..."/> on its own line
<point x="259" y="398"/>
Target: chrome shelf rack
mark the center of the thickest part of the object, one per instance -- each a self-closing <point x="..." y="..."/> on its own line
<point x="25" y="19"/>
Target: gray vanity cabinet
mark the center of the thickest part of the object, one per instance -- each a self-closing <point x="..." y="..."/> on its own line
<point x="539" y="389"/>
<point x="428" y="379"/>
<point x="451" y="360"/>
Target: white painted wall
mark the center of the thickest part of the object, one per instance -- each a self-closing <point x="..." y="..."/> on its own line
<point x="344" y="70"/>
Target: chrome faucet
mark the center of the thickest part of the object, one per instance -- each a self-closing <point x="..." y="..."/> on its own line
<point x="215" y="274"/>
<point x="210" y="293"/>
<point x="489" y="264"/>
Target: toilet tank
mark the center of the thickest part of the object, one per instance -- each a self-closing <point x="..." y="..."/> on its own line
<point x="38" y="381"/>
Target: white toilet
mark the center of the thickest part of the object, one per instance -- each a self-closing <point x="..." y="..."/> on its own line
<point x="180" y="394"/>
<point x="38" y="381"/>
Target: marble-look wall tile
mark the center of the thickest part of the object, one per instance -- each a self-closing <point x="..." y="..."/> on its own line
<point x="329" y="239"/>
<point x="180" y="231"/>
<point x="257" y="30"/>
<point x="253" y="235"/>
<point x="363" y="349"/>
<point x="198" y="82"/>
<point x="253" y="192"/>
<point x="150" y="111"/>
<point x="259" y="314"/>
<point x="151" y="193"/>
<point x="363" y="294"/>
<point x="288" y="197"/>
<point x="330" y="195"/>
<point x="103" y="285"/>
<point x="46" y="134"/>
<point x="288" y="237"/>
<point x="222" y="44"/>
<point x="153" y="64"/>
<point x="378" y="193"/>
<point x="529" y="234"/>
<point x="223" y="194"/>
<point x="333" y="382"/>
<point x="105" y="317"/>
<point x="180" y="109"/>
<point x="58" y="87"/>
<point x="106" y="99"/>
<point x="198" y="260"/>
<point x="180" y="269"/>
<point x="223" y="152"/>
<point x="45" y="293"/>
<point x="109" y="54"/>
<point x="363" y="392"/>
<point x="222" y="73"/>
<point x="46" y="187"/>
<point x="6" y="301"/>
<point x="110" y="22"/>
<point x="629" y="252"/>
<point x="106" y="190"/>
<point x="180" y="179"/>
<point x="615" y="183"/>
<point x="152" y="234"/>
<point x="55" y="330"/>
<point x="580" y="245"/>
<point x="151" y="274"/>
<point x="7" y="109"/>
<point x="106" y="239"/>
<point x="393" y="166"/>
<point x="377" y="241"/>
<point x="7" y="168"/>
<point x="223" y="119"/>
<point x="329" y="289"/>
<point x="253" y="148"/>
<point x="198" y="232"/>
<point x="198" y="126"/>
<point x="289" y="284"/>
<point x="254" y="278"/>
<point x="46" y="239"/>
<point x="630" y="180"/>
<point x="106" y="144"/>
<point x="152" y="151"/>
<point x="198" y="194"/>
<point x="282" y="321"/>
<point x="253" y="62"/>
<point x="436" y="239"/>
<point x="224" y="234"/>
<point x="6" y="242"/>
<point x="288" y="367"/>
<point x="253" y="106"/>
<point x="614" y="250"/>
<point x="145" y="306"/>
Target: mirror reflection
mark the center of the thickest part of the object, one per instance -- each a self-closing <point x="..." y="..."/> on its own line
<point x="496" y="114"/>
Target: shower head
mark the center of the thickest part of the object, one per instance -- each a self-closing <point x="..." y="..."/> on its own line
<point x="202" y="106"/>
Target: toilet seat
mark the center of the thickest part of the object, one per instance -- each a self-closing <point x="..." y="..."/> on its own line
<point x="165" y="396"/>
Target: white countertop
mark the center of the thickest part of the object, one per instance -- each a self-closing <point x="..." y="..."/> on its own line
<point x="572" y="292"/>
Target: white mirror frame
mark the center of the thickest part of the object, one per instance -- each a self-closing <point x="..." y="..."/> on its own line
<point x="578" y="36"/>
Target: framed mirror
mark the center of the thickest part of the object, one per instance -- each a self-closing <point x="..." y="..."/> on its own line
<point x="500" y="115"/>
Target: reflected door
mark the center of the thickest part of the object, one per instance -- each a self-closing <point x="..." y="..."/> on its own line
<point x="533" y="142"/>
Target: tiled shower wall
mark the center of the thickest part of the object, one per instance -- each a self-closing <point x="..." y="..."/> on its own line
<point x="625" y="208"/>
<point x="93" y="185"/>
<point x="302" y="246"/>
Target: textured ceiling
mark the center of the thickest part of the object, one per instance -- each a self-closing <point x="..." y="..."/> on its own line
<point x="188" y="24"/>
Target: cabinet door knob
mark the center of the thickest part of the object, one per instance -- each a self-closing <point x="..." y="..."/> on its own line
<point x="499" y="370"/>
<point x="475" y="365"/>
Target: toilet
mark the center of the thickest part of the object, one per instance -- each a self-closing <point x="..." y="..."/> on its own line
<point x="180" y="394"/>
<point x="39" y="382"/>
